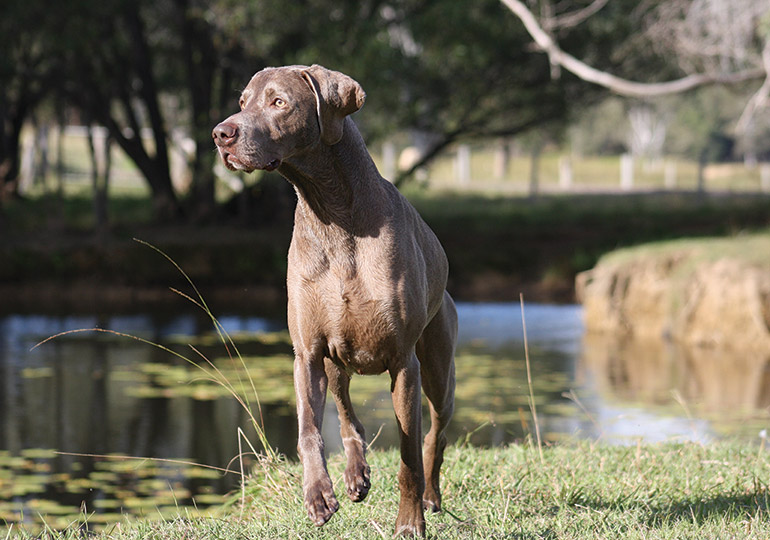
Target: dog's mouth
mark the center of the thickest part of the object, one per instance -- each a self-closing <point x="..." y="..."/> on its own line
<point x="234" y="163"/>
<point x="237" y="164"/>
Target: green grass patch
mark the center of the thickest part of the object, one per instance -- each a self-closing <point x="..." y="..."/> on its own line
<point x="751" y="248"/>
<point x="579" y="491"/>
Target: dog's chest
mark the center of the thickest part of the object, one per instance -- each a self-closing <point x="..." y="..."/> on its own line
<point x="360" y="328"/>
<point x="349" y="298"/>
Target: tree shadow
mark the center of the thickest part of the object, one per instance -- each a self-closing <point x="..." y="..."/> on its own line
<point x="727" y="506"/>
<point x="697" y="510"/>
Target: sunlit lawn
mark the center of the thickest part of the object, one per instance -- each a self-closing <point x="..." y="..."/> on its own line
<point x="578" y="490"/>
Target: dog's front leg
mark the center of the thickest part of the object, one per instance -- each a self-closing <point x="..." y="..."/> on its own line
<point x="310" y="384"/>
<point x="405" y="390"/>
<point x="352" y="432"/>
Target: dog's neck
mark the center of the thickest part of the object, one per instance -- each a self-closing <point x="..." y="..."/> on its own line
<point x="334" y="185"/>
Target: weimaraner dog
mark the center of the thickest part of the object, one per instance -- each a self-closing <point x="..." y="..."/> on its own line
<point x="366" y="282"/>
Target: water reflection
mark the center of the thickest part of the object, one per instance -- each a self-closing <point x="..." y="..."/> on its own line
<point x="101" y="393"/>
<point x="75" y="395"/>
<point x="723" y="392"/>
<point x="91" y="393"/>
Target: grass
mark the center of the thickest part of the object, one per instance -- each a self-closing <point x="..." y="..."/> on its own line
<point x="694" y="269"/>
<point x="554" y="237"/>
<point x="686" y="256"/>
<point x="579" y="490"/>
<point x="751" y="248"/>
<point x="498" y="246"/>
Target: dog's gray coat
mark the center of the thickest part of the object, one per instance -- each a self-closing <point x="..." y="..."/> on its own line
<point x="366" y="282"/>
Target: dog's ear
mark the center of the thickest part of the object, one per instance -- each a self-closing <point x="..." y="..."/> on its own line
<point x="337" y="96"/>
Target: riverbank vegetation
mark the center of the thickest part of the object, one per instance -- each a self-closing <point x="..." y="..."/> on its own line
<point x="498" y="246"/>
<point x="576" y="490"/>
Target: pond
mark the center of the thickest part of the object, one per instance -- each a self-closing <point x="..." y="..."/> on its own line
<point x="74" y="408"/>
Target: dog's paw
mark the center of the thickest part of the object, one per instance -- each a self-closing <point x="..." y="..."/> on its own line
<point x="431" y="500"/>
<point x="357" y="481"/>
<point x="410" y="520"/>
<point x="320" y="501"/>
<point x="431" y="506"/>
<point x="410" y="528"/>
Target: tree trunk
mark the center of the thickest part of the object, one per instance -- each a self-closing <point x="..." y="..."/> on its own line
<point x="501" y="160"/>
<point x="156" y="169"/>
<point x="99" y="145"/>
<point x="165" y="203"/>
<point x="427" y="156"/>
<point x="10" y="147"/>
<point x="201" y="62"/>
<point x="203" y="181"/>
<point x="42" y="142"/>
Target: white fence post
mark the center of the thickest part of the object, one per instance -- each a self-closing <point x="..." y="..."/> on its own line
<point x="764" y="177"/>
<point x="389" y="160"/>
<point x="27" y="162"/>
<point x="669" y="175"/>
<point x="626" y="172"/>
<point x="463" y="164"/>
<point x="565" y="173"/>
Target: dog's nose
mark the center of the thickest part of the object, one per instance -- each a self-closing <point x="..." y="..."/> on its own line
<point x="225" y="134"/>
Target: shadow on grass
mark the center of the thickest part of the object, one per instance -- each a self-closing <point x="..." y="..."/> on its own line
<point x="697" y="510"/>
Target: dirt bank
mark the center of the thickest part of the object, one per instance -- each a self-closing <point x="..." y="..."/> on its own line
<point x="708" y="292"/>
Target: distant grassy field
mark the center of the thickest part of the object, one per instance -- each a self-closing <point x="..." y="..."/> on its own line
<point x="589" y="173"/>
<point x="578" y="491"/>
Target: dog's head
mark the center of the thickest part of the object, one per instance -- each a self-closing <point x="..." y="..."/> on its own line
<point x="285" y="111"/>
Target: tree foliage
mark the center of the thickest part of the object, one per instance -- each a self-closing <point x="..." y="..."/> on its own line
<point x="150" y="70"/>
<point x="27" y="70"/>
<point x="709" y="41"/>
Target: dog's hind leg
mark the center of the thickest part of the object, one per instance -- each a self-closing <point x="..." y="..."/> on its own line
<point x="405" y="392"/>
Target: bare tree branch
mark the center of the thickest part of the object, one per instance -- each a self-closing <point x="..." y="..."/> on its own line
<point x="619" y="85"/>
<point x="569" y="20"/>
<point x="760" y="98"/>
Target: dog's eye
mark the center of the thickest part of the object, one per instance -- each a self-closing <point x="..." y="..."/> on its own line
<point x="278" y="102"/>
<point x="241" y="103"/>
